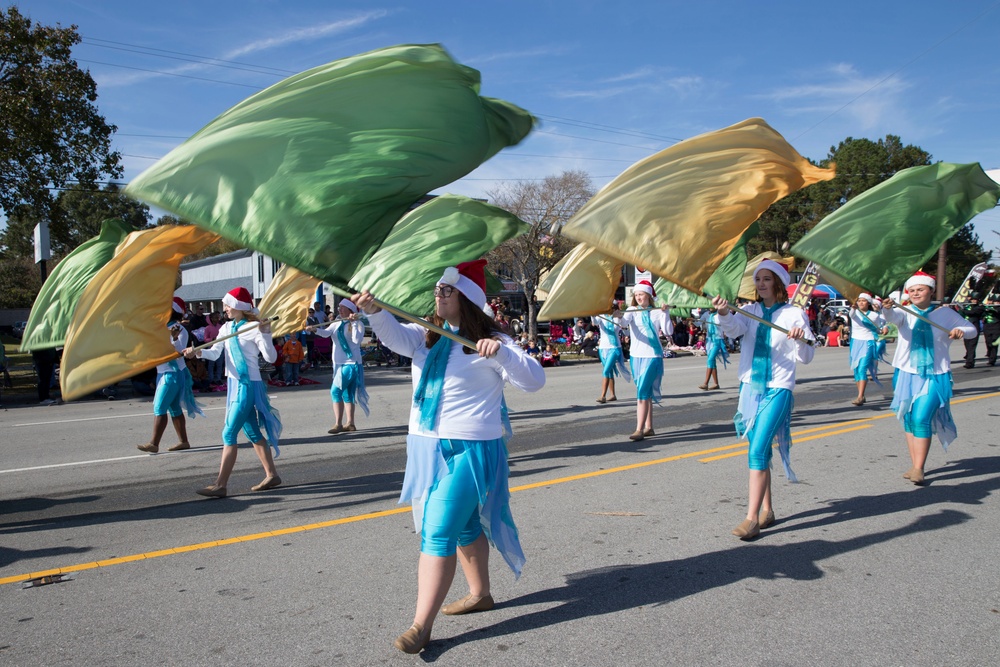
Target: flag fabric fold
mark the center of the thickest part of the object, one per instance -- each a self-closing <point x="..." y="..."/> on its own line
<point x="56" y="301"/>
<point x="680" y="212"/>
<point x="446" y="231"/>
<point x="879" y="238"/>
<point x="120" y="324"/>
<point x="288" y="298"/>
<point x="725" y="282"/>
<point x="316" y="169"/>
<point x="581" y="283"/>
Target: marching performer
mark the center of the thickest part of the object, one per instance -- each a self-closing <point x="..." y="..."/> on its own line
<point x="174" y="393"/>
<point x="867" y="324"/>
<point x="715" y="350"/>
<point x="767" y="377"/>
<point x="922" y="396"/>
<point x="646" y="353"/>
<point x="456" y="461"/>
<point x="348" y="387"/>
<point x="247" y="406"/>
<point x="609" y="350"/>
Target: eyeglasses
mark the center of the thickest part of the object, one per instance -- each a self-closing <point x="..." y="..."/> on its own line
<point x="444" y="291"/>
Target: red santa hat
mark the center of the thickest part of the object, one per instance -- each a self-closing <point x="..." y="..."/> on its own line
<point x="646" y="287"/>
<point x="179" y="305"/>
<point x="469" y="278"/>
<point x="238" y="298"/>
<point x="920" y="278"/>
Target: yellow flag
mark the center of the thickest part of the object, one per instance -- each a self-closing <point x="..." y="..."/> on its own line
<point x="119" y="327"/>
<point x="582" y="283"/>
<point x="679" y="213"/>
<point x="747" y="290"/>
<point x="288" y="298"/>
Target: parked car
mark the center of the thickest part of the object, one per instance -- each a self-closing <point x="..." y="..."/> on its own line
<point x="18" y="329"/>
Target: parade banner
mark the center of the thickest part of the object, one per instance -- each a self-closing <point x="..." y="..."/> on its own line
<point x="807" y="283"/>
<point x="971" y="283"/>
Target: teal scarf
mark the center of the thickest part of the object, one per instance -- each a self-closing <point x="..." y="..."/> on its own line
<point x="867" y="323"/>
<point x="646" y="322"/>
<point x="233" y="347"/>
<point x="427" y="397"/>
<point x="760" y="373"/>
<point x="922" y="345"/>
<point x="342" y="339"/>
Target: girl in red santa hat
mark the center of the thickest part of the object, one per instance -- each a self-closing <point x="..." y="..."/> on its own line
<point x="767" y="377"/>
<point x="646" y="353"/>
<point x="174" y="393"/>
<point x="922" y="384"/>
<point x="456" y="455"/>
<point x="247" y="406"/>
<point x="348" y="386"/>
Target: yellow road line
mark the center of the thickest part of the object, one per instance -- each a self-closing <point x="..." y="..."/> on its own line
<point x="376" y="515"/>
<point x="795" y="441"/>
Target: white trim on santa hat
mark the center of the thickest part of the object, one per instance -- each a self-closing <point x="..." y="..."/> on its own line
<point x="466" y="286"/>
<point x="776" y="269"/>
<point x="235" y="299"/>
<point x="920" y="278"/>
<point x="349" y="305"/>
<point x="866" y="296"/>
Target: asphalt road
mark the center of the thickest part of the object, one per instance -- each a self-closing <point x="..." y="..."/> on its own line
<point x="630" y="559"/>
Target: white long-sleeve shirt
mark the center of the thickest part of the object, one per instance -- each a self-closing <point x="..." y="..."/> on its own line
<point x="905" y="322"/>
<point x="641" y="346"/>
<point x="607" y="341"/>
<point x="180" y="345"/>
<point x="473" y="385"/>
<point x="858" y="330"/>
<point x="354" y="335"/>
<point x="785" y="352"/>
<point x="251" y="342"/>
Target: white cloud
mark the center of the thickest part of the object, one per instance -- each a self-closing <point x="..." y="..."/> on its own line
<point x="540" y="52"/>
<point x="645" y="80"/>
<point x="306" y="34"/>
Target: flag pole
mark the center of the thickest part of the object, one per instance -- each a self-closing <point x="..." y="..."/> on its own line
<point x="413" y="318"/>
<point x="761" y="320"/>
<point x="921" y="317"/>
<point x="228" y="336"/>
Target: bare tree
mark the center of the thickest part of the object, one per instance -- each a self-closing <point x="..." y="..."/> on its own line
<point x="545" y="205"/>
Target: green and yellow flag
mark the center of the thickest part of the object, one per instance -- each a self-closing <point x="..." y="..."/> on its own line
<point x="120" y="324"/>
<point x="680" y="212"/>
<point x="288" y="298"/>
<point x="315" y="170"/>
<point x="879" y="238"/>
<point x="581" y="283"/>
<point x="445" y="231"/>
<point x="56" y="301"/>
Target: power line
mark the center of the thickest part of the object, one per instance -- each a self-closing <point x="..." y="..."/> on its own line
<point x="93" y="40"/>
<point x="182" y="76"/>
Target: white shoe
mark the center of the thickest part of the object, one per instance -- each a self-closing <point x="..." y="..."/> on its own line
<point x="47" y="401"/>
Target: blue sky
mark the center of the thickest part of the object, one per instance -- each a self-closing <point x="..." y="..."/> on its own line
<point x="612" y="82"/>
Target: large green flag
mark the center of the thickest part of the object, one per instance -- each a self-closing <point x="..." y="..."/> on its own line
<point x="56" y="301"/>
<point x="443" y="232"/>
<point x="316" y="169"/>
<point x="725" y="282"/>
<point x="879" y="238"/>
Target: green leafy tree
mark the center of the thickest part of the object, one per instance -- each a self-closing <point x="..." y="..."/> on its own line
<point x="545" y="205"/>
<point x="51" y="132"/>
<point x="75" y="217"/>
<point x="861" y="164"/>
<point x="20" y="281"/>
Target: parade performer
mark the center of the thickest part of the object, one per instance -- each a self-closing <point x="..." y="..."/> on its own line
<point x="867" y="324"/>
<point x="456" y="461"/>
<point x="991" y="327"/>
<point x="609" y="350"/>
<point x="973" y="312"/>
<point x="715" y="349"/>
<point x="646" y="353"/>
<point x="174" y="392"/>
<point x="767" y="376"/>
<point x="247" y="406"/>
<point x="922" y="384"/>
<point x="348" y="386"/>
